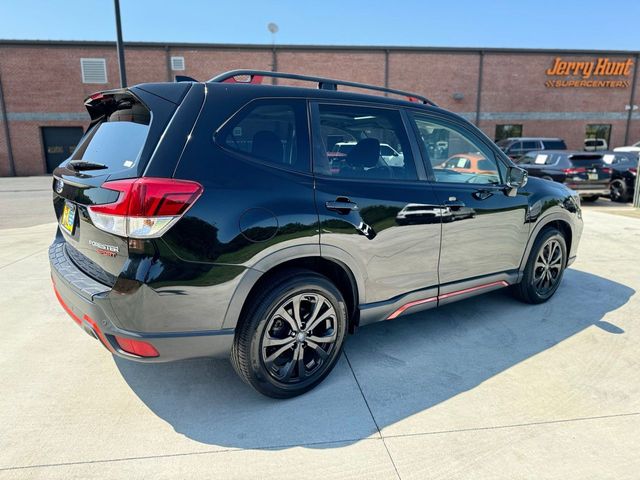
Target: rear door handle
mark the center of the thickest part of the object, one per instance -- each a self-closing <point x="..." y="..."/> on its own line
<point x="341" y="205"/>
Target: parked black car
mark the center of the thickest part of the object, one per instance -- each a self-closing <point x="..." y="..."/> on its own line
<point x="586" y="173"/>
<point x="211" y="219"/>
<point x="515" y="147"/>
<point x="624" y="170"/>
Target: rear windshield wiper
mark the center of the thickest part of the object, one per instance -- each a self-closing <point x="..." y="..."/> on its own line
<point x="78" y="165"/>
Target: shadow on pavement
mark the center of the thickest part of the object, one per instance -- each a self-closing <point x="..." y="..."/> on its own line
<point x="404" y="367"/>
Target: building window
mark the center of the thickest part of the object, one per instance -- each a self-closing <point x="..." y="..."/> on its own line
<point x="599" y="130"/>
<point x="507" y="131"/>
<point x="177" y="63"/>
<point x="94" y="70"/>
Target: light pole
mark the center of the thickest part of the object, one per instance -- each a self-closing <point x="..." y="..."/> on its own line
<point x="273" y="28"/>
<point x="120" y="48"/>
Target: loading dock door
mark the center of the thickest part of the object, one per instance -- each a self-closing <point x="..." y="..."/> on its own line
<point x="59" y="144"/>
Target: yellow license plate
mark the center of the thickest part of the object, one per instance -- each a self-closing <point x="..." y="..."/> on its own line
<point x="68" y="218"/>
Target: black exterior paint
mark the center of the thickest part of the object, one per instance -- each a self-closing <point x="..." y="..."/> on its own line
<point x="184" y="292"/>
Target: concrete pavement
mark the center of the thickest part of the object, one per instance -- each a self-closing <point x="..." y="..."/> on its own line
<point x="485" y="388"/>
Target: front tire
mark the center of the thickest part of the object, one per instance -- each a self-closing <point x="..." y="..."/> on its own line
<point x="545" y="268"/>
<point x="291" y="335"/>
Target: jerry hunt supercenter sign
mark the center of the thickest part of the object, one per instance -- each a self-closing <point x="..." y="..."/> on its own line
<point x="581" y="74"/>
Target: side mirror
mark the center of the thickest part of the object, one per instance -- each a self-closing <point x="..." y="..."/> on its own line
<point x="516" y="177"/>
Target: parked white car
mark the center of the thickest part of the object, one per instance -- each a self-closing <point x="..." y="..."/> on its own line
<point x="595" y="144"/>
<point x="631" y="148"/>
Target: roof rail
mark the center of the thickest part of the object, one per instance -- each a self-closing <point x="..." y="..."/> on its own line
<point x="255" y="76"/>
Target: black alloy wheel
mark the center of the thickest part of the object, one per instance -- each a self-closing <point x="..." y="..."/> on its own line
<point x="548" y="267"/>
<point x="544" y="269"/>
<point x="299" y="337"/>
<point x="291" y="334"/>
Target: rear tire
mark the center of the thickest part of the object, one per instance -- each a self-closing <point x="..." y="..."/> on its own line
<point x="619" y="191"/>
<point x="545" y="268"/>
<point x="591" y="198"/>
<point x="291" y="336"/>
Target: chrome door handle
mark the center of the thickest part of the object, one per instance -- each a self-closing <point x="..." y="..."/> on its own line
<point x="341" y="205"/>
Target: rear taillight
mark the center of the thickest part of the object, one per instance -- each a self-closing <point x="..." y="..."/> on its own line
<point x="633" y="170"/>
<point x="606" y="170"/>
<point x="571" y="171"/>
<point x="146" y="207"/>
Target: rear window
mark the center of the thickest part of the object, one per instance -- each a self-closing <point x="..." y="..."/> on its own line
<point x="117" y="141"/>
<point x="554" y="144"/>
<point x="586" y="160"/>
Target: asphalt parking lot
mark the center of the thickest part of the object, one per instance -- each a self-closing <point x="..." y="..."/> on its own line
<point x="484" y="388"/>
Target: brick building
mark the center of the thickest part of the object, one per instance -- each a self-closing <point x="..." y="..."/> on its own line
<point x="570" y="94"/>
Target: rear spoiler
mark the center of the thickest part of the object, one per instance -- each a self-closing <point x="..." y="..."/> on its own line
<point x="101" y="104"/>
<point x="184" y="78"/>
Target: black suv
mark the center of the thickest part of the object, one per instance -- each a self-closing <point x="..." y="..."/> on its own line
<point x="584" y="172"/>
<point x="221" y="219"/>
<point x="624" y="170"/>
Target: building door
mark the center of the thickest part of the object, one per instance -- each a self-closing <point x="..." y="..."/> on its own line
<point x="59" y="144"/>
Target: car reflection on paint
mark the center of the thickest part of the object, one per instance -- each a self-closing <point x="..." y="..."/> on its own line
<point x="420" y="214"/>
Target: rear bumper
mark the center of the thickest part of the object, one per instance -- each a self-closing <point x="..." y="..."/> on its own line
<point x="87" y="303"/>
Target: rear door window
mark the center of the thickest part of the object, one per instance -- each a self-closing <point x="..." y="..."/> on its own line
<point x="360" y="153"/>
<point x="118" y="140"/>
<point x="530" y="145"/>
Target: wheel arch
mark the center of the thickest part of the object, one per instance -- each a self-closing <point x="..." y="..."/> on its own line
<point x="258" y="277"/>
<point x="557" y="221"/>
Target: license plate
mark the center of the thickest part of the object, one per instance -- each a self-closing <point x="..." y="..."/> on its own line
<point x="68" y="218"/>
<point x="593" y="176"/>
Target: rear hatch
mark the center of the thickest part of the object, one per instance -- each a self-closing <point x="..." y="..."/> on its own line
<point x="90" y="186"/>
<point x="587" y="172"/>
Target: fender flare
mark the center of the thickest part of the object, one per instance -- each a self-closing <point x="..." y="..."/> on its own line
<point x="540" y="224"/>
<point x="279" y="257"/>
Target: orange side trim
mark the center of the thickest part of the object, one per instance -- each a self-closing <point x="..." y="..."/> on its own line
<point x="402" y="309"/>
<point x="399" y="311"/>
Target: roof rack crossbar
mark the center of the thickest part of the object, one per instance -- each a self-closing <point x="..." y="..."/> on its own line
<point x="323" y="83"/>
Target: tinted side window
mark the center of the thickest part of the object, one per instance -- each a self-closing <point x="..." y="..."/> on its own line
<point x="530" y="145"/>
<point x="268" y="131"/>
<point x="515" y="148"/>
<point x="455" y="156"/>
<point x="371" y="143"/>
<point x="554" y="145"/>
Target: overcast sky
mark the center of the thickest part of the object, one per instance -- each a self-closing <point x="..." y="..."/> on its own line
<point x="585" y="24"/>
